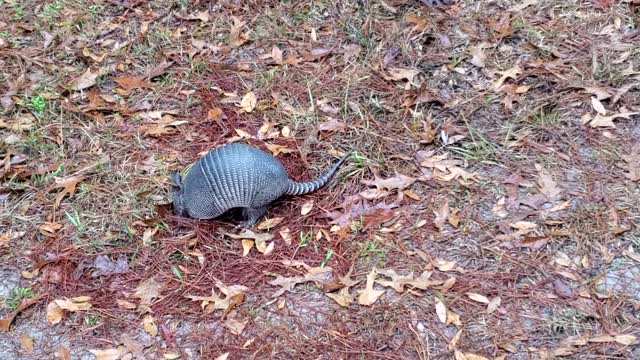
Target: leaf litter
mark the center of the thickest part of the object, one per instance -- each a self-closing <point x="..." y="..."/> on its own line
<point x="239" y="81"/>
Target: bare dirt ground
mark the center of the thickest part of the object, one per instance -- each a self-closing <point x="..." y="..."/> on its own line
<point x="490" y="209"/>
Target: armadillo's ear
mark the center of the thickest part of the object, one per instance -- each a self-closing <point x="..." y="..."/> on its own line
<point x="177" y="180"/>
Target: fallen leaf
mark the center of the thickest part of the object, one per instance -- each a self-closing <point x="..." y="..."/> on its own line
<point x="315" y="274"/>
<point x="247" y="245"/>
<point x="547" y="186"/>
<point x="397" y="74"/>
<point x="201" y="15"/>
<point x="26" y="344"/>
<point x="233" y="296"/>
<point x="419" y="22"/>
<point x="132" y="82"/>
<point x="236" y="38"/>
<point x="276" y="149"/>
<point x="494" y="304"/>
<point x="399" y="182"/>
<point x="105" y="266"/>
<point x="479" y="57"/>
<point x="226" y="355"/>
<point x="442" y="215"/>
<point x="248" y="102"/>
<point x="50" y="229"/>
<point x="286" y="235"/>
<point x="80" y="303"/>
<point x="235" y="326"/>
<point x="343" y="297"/>
<point x="479" y="298"/>
<point x="607" y="121"/>
<point x="306" y="207"/>
<point x="441" y="311"/>
<point x="88" y="78"/>
<point x="522" y="5"/>
<point x="276" y="55"/>
<point x="54" y="313"/>
<point x="147" y="291"/>
<point x="332" y="124"/>
<point x="97" y="58"/>
<point x="398" y="282"/>
<point x="108" y="354"/>
<point x="511" y="73"/>
<point x="24" y="122"/>
<point x="368" y="296"/>
<point x="68" y="186"/>
<point x="597" y="106"/>
<point x="48" y="39"/>
<point x="165" y="125"/>
<point x="5" y="322"/>
<point x="626" y="340"/>
<point x="269" y="223"/>
<point x="149" y="325"/>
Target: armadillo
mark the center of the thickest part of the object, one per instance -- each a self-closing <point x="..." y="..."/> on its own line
<point x="240" y="176"/>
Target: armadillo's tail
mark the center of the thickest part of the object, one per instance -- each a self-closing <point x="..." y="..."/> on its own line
<point x="300" y="188"/>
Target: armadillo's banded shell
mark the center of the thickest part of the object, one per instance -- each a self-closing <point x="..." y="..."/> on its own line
<point x="231" y="176"/>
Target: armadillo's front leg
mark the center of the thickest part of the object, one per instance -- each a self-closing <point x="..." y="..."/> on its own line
<point x="251" y="215"/>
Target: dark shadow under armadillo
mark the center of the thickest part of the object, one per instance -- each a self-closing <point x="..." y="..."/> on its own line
<point x="237" y="176"/>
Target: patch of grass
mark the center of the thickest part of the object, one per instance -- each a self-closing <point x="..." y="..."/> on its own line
<point x="305" y="238"/>
<point x="545" y="119"/>
<point x="74" y="218"/>
<point x="568" y="322"/>
<point x="265" y="78"/>
<point x="50" y="10"/>
<point x="372" y="251"/>
<point x="91" y="320"/>
<point x="37" y="103"/>
<point x="41" y="180"/>
<point x="17" y="295"/>
<point x="18" y="9"/>
<point x="94" y="9"/>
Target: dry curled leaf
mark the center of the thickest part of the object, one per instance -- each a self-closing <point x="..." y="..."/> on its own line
<point x="343" y="297"/>
<point x="108" y="354"/>
<point x="88" y="78"/>
<point x="441" y="311"/>
<point x="68" y="186"/>
<point x="147" y="291"/>
<point x="276" y="149"/>
<point x="132" y="82"/>
<point x="419" y="22"/>
<point x="369" y="295"/>
<point x="397" y="74"/>
<point x="315" y="274"/>
<point x="149" y="325"/>
<point x="233" y="296"/>
<point x="306" y="207"/>
<point x="235" y="326"/>
<point x="399" y="182"/>
<point x="479" y="298"/>
<point x="248" y="102"/>
<point x="398" y="282"/>
<point x="236" y="37"/>
<point x="479" y="57"/>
